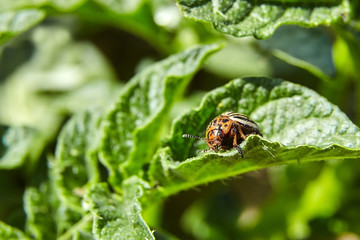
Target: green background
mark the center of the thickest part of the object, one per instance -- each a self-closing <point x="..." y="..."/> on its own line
<point x="95" y="96"/>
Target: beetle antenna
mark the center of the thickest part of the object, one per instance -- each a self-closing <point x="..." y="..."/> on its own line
<point x="192" y="136"/>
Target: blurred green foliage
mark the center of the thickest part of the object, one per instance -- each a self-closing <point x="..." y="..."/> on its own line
<point x="91" y="120"/>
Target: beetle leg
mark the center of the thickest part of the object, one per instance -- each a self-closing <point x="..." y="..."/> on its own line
<point x="238" y="132"/>
<point x="240" y="151"/>
<point x="238" y="148"/>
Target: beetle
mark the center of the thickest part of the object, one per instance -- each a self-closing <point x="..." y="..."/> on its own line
<point x="228" y="131"/>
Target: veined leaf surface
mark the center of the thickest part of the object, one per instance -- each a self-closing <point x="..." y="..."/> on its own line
<point x="261" y="18"/>
<point x="132" y="127"/>
<point x="298" y="126"/>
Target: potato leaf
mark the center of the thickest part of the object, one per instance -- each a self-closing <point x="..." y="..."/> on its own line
<point x="38" y="206"/>
<point x="18" y="144"/>
<point x="75" y="168"/>
<point x="310" y="49"/>
<point x="57" y="4"/>
<point x="15" y="22"/>
<point x="118" y="217"/>
<point x="261" y="18"/>
<point x="132" y="127"/>
<point x="298" y="126"/>
<point x="9" y="232"/>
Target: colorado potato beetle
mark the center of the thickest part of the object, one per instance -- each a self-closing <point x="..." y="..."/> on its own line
<point x="228" y="131"/>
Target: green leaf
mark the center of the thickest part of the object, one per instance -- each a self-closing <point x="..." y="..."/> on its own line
<point x="118" y="217"/>
<point x="132" y="127"/>
<point x="24" y="4"/>
<point x="136" y="17"/>
<point x="321" y="198"/>
<point x="61" y="76"/>
<point x="76" y="166"/>
<point x="356" y="15"/>
<point x="17" y="145"/>
<point x="9" y="232"/>
<point x="298" y="126"/>
<point x="261" y="18"/>
<point x="15" y="22"/>
<point x="310" y="49"/>
<point x="80" y="230"/>
<point x="122" y="6"/>
<point x="40" y="223"/>
<point x="237" y="59"/>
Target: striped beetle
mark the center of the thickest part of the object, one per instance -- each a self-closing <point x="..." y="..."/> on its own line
<point x="227" y="131"/>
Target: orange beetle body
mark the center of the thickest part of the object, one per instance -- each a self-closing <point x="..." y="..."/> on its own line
<point x="228" y="131"/>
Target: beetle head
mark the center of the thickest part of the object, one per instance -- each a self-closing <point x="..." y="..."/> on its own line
<point x="215" y="143"/>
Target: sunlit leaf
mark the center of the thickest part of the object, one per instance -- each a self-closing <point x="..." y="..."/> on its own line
<point x="118" y="217"/>
<point x="298" y="126"/>
<point x="24" y="4"/>
<point x="261" y="18"/>
<point x="132" y="127"/>
<point x="17" y="145"/>
<point x="9" y="232"/>
<point x="15" y="22"/>
<point x="40" y="223"/>
<point x="321" y="198"/>
<point x="310" y="49"/>
<point x="76" y="165"/>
